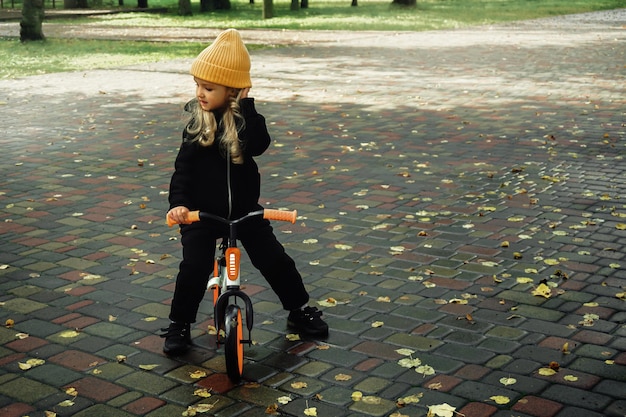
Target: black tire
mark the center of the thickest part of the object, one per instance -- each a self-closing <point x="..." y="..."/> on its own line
<point x="233" y="348"/>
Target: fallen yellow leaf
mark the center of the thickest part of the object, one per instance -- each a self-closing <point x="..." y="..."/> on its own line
<point x="546" y="371"/>
<point x="411" y="399"/>
<point x="425" y="370"/>
<point x="542" y="291"/>
<point x="357" y="396"/>
<point x="197" y="374"/>
<point x="69" y="334"/>
<point x="442" y="410"/>
<point x="508" y="381"/>
<point x="343" y="247"/>
<point x="370" y="399"/>
<point x="500" y="399"/>
<point x="284" y="399"/>
<point x="202" y="392"/>
<point x="409" y="362"/>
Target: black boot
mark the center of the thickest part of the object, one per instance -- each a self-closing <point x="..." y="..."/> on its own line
<point x="177" y="338"/>
<point x="308" y="320"/>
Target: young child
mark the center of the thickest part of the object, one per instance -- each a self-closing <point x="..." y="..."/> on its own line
<point x="219" y="142"/>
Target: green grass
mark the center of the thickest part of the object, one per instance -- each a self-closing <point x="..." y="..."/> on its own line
<point x="55" y="55"/>
<point x="368" y="15"/>
<point x="58" y="55"/>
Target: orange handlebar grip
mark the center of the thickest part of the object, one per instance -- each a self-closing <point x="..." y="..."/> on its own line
<point x="281" y="215"/>
<point x="192" y="216"/>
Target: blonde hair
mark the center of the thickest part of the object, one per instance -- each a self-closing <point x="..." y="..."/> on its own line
<point x="203" y="127"/>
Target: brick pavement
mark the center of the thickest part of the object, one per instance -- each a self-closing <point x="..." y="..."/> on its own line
<point x="412" y="158"/>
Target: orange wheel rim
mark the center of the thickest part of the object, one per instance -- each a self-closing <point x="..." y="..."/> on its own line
<point x="239" y="344"/>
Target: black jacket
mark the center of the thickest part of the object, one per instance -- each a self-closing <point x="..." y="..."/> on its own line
<point x="199" y="181"/>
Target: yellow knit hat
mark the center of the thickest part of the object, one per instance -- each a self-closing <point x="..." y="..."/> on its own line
<point x="225" y="62"/>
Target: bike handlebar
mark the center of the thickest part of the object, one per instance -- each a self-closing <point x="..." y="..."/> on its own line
<point x="269" y="214"/>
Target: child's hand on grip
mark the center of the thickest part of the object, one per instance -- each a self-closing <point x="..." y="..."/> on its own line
<point x="178" y="215"/>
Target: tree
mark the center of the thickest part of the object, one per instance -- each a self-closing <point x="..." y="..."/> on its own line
<point x="268" y="9"/>
<point x="184" y="8"/>
<point x="405" y="2"/>
<point x="210" y="5"/>
<point x="32" y="18"/>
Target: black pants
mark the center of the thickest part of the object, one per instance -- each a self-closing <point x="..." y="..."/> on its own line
<point x="264" y="250"/>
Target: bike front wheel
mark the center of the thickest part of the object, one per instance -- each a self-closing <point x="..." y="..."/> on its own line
<point x="233" y="346"/>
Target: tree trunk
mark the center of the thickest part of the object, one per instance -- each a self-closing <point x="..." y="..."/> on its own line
<point x="184" y="8"/>
<point x="210" y="5"/>
<point x="32" y="18"/>
<point x="405" y="2"/>
<point x="294" y="5"/>
<point x="268" y="9"/>
<point x="354" y="3"/>
<point x="304" y="4"/>
<point x="142" y="4"/>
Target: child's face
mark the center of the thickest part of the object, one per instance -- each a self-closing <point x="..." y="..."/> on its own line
<point x="212" y="96"/>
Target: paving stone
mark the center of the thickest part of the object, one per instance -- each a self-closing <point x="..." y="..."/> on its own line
<point x="425" y="192"/>
<point x="616" y="409"/>
<point x="16" y="410"/>
<point x="103" y="410"/>
<point x="78" y="361"/>
<point x="338" y="396"/>
<point x="524" y="384"/>
<point x="23" y="305"/>
<point x="52" y="403"/>
<point x="464" y="353"/>
<point x="576" y="397"/>
<point x="143" y="405"/>
<point x="97" y="389"/>
<point x="380" y="409"/>
<point x="478" y="409"/>
<point x="599" y="368"/>
<point x="259" y="395"/>
<point x="338" y="357"/>
<point x="126" y="398"/>
<point x="414" y="342"/>
<point x="146" y="382"/>
<point x="53" y="375"/>
<point x="24" y="390"/>
<point x="613" y="388"/>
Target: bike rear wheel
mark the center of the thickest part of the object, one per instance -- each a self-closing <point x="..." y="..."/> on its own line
<point x="233" y="346"/>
